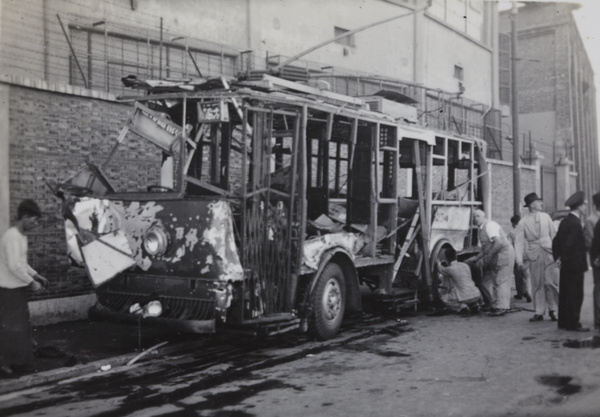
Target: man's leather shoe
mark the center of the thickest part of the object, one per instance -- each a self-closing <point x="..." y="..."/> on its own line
<point x="537" y="317"/>
<point x="497" y="312"/>
<point x="518" y="297"/>
<point x="527" y="297"/>
<point x="552" y="315"/>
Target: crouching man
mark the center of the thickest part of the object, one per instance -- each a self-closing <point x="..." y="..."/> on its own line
<point x="456" y="287"/>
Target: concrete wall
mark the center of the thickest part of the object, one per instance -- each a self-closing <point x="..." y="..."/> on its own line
<point x="445" y="49"/>
<point x="4" y="160"/>
<point x="57" y="310"/>
<point x="290" y="27"/>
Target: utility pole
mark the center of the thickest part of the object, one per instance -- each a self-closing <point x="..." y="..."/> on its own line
<point x="515" y="113"/>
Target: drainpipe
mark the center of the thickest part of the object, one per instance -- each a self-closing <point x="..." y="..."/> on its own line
<point x="515" y="113"/>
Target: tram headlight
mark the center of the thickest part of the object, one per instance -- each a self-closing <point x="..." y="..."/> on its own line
<point x="153" y="309"/>
<point x="156" y="241"/>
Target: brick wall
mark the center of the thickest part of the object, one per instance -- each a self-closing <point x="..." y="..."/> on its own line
<point x="50" y="136"/>
<point x="502" y="190"/>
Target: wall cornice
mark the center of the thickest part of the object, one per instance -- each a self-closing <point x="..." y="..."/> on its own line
<point x="56" y="87"/>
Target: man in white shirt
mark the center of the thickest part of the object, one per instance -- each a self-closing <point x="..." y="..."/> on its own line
<point x="16" y="349"/>
<point x="497" y="258"/>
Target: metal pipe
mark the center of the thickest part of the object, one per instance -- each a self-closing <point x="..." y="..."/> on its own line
<point x="46" y="42"/>
<point x="515" y="114"/>
<point x="72" y="51"/>
<point x="160" y="50"/>
<point x="194" y="62"/>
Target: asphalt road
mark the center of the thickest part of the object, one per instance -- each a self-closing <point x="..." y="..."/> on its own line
<point x="378" y="366"/>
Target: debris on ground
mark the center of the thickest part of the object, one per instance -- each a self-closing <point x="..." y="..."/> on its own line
<point x="144" y="353"/>
<point x="591" y="342"/>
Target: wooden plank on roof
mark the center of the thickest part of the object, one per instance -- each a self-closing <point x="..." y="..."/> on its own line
<point x="270" y="81"/>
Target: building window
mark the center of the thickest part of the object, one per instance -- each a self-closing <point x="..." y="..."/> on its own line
<point x="347" y="40"/>
<point x="128" y="54"/>
<point x="459" y="72"/>
<point x="464" y="16"/>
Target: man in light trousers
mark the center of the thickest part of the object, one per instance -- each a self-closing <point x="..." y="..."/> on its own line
<point x="533" y="249"/>
<point x="498" y="258"/>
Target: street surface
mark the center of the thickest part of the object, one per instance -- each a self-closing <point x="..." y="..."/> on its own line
<point x="377" y="366"/>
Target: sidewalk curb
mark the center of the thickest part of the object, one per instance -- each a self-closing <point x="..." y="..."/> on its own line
<point x="32" y="380"/>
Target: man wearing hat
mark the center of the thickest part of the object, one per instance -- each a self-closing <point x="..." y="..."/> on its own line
<point x="568" y="249"/>
<point x="588" y="233"/>
<point x="533" y="250"/>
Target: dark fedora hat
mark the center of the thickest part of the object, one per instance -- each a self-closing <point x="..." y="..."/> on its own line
<point x="530" y="198"/>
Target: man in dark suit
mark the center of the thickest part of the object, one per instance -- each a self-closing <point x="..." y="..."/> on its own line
<point x="568" y="249"/>
<point x="592" y="221"/>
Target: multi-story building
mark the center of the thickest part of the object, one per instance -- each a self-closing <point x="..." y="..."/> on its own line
<point x="556" y="98"/>
<point x="61" y="64"/>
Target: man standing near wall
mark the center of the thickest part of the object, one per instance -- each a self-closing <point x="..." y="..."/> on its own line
<point x="522" y="281"/>
<point x="568" y="249"/>
<point x="16" y="349"/>
<point x="588" y="233"/>
<point x="498" y="258"/>
<point x="533" y="249"/>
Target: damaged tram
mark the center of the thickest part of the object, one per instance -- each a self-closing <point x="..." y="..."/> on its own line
<point x="264" y="206"/>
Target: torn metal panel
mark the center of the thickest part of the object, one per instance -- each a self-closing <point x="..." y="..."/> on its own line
<point x="155" y="127"/>
<point x="314" y="248"/>
<point x="106" y="256"/>
<point x="220" y="236"/>
<point x="114" y="235"/>
<point x="451" y="223"/>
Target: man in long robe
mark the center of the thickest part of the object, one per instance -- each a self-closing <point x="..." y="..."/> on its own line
<point x="568" y="249"/>
<point x="533" y="250"/>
